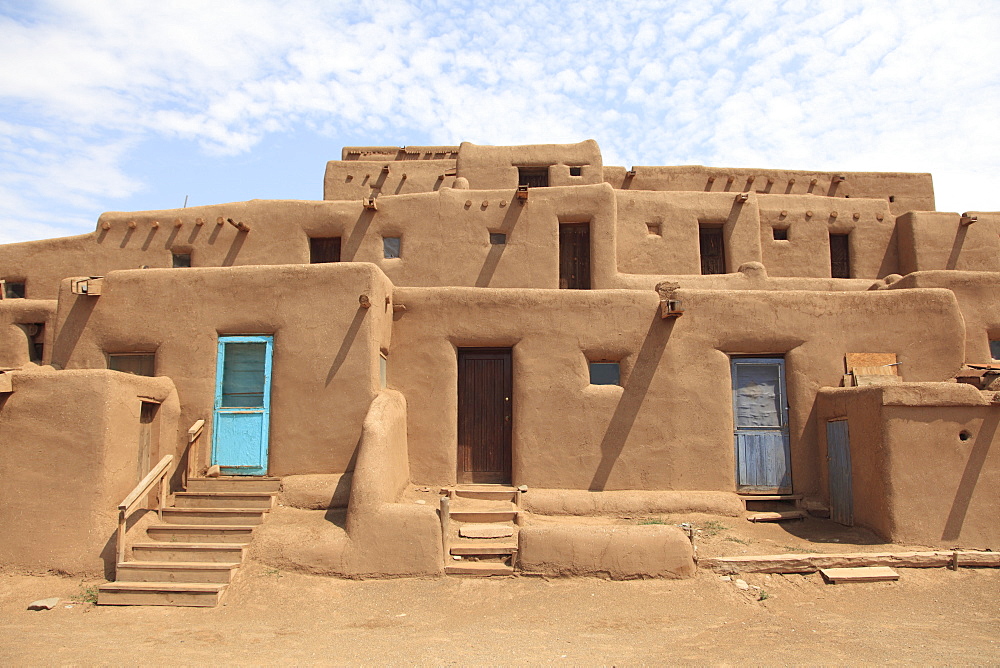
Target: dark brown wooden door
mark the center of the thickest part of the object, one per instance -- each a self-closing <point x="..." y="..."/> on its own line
<point x="840" y="256"/>
<point x="574" y="256"/>
<point x="713" y="251"/>
<point x="484" y="415"/>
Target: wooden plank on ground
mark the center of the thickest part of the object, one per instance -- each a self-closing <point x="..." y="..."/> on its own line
<point x="862" y="574"/>
<point x="810" y="563"/>
<point x="778" y="516"/>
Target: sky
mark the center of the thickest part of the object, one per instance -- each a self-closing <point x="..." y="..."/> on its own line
<point x="120" y="105"/>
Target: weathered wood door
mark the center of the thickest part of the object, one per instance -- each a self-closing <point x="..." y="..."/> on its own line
<point x="838" y="456"/>
<point x="242" y="405"/>
<point x="760" y="411"/>
<point x="840" y="256"/>
<point x="574" y="256"/>
<point x="713" y="250"/>
<point x="147" y="412"/>
<point x="485" y="411"/>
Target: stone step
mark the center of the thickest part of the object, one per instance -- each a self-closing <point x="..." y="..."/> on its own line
<point x="202" y="552"/>
<point x="861" y="574"/>
<point x="242" y="500"/>
<point x="488" y="549"/>
<point x="234" y="484"/>
<point x="200" y="594"/>
<point x="478" y="569"/>
<point x="485" y="492"/>
<point x="482" y="515"/>
<point x="484" y="531"/>
<point x="175" y="571"/>
<point x="778" y="516"/>
<point x="201" y="533"/>
<point x="226" y="516"/>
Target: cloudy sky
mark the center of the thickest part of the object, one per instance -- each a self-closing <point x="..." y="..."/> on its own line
<point x="124" y="105"/>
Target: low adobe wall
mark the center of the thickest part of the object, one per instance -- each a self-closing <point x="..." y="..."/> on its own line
<point x="69" y="454"/>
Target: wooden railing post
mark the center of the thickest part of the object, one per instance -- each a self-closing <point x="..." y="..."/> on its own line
<point x="445" y="526"/>
<point x="194" y="449"/>
<point x="120" y="539"/>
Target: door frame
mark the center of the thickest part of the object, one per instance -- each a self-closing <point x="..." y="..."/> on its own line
<point x="505" y="476"/>
<point x="783" y="428"/>
<point x="265" y="410"/>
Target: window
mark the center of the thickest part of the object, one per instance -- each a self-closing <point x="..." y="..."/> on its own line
<point x="36" y="334"/>
<point x="182" y="260"/>
<point x="779" y="233"/>
<point x="713" y="254"/>
<point x="391" y="247"/>
<point x="140" y="364"/>
<point x="653" y="229"/>
<point x="605" y="373"/>
<point x="533" y="177"/>
<point x="498" y="238"/>
<point x="324" y="249"/>
<point x="13" y="290"/>
<point x="995" y="350"/>
<point x="575" y="171"/>
<point x="840" y="256"/>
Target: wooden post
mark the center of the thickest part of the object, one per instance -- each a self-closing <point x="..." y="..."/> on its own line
<point x="163" y="497"/>
<point x="120" y="541"/>
<point x="445" y="526"/>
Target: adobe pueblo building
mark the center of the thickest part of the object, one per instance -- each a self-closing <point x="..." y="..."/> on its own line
<point x="496" y="342"/>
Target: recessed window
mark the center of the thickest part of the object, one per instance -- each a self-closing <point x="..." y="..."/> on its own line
<point x="995" y="350"/>
<point x="605" y="373"/>
<point x="575" y="171"/>
<point x="533" y="177"/>
<point x="391" y="247"/>
<point x="840" y="256"/>
<point x="324" y="249"/>
<point x="653" y="228"/>
<point x="712" y="246"/>
<point x="12" y="290"/>
<point x="780" y="233"/>
<point x="892" y="198"/>
<point x="498" y="238"/>
<point x="182" y="260"/>
<point x="140" y="364"/>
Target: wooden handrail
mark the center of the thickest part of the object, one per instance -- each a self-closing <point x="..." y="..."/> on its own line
<point x="194" y="443"/>
<point x="145" y="486"/>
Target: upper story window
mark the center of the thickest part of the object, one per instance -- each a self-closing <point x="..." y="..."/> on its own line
<point x="713" y="250"/>
<point x="391" y="247"/>
<point x="533" y="177"/>
<point x="605" y="373"/>
<point x="575" y="171"/>
<point x="324" y="249"/>
<point x="840" y="256"/>
<point x="182" y="260"/>
<point x="995" y="350"/>
<point x="13" y="290"/>
<point x="140" y="364"/>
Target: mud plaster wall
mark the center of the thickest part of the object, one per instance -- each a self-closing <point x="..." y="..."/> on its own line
<point x="496" y="166"/>
<point x="934" y="240"/>
<point x="909" y="192"/>
<point x="325" y="368"/>
<point x="670" y="426"/>
<point x="360" y="179"/>
<point x="68" y="456"/>
<point x="978" y="296"/>
<point x="16" y="315"/>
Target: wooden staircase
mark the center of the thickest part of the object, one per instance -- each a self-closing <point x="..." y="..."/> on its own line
<point x="479" y="528"/>
<point x="194" y="551"/>
<point x="773" y="507"/>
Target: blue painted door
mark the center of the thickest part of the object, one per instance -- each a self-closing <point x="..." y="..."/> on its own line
<point x="760" y="410"/>
<point x="242" y="405"/>
<point x="838" y="457"/>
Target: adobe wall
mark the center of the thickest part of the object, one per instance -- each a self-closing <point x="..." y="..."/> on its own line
<point x="18" y="318"/>
<point x="360" y="179"/>
<point x="495" y="167"/>
<point x="908" y="192"/>
<point x="69" y="443"/>
<point x="937" y="240"/>
<point x="915" y="478"/>
<point x="670" y="427"/>
<point x="326" y="346"/>
<point x="978" y="296"/>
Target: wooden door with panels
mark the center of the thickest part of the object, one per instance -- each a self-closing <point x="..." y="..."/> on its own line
<point x="485" y="411"/>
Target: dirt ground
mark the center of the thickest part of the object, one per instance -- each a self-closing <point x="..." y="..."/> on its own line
<point x="929" y="616"/>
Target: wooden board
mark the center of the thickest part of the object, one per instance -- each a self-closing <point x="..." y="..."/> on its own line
<point x="869" y="359"/>
<point x="863" y="574"/>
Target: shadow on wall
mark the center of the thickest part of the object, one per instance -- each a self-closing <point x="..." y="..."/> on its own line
<point x="496" y="250"/>
<point x="72" y="328"/>
<point x="353" y="242"/>
<point x="970" y="477"/>
<point x="346" y="344"/>
<point x="634" y="393"/>
<point x="956" y="247"/>
<point x="234" y="248"/>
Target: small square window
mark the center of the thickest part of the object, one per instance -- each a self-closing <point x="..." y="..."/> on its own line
<point x="995" y="350"/>
<point x="324" y="249"/>
<point x="533" y="177"/>
<point x="182" y="260"/>
<point x="13" y="290"/>
<point x="575" y="171"/>
<point x="780" y="233"/>
<point x="140" y="364"/>
<point x="653" y="229"/>
<point x="605" y="373"/>
<point x="391" y="247"/>
<point x="498" y="238"/>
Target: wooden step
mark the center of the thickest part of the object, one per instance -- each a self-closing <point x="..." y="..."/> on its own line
<point x="486" y="492"/>
<point x="213" y="552"/>
<point x="478" y="569"/>
<point x="243" y="500"/>
<point x="200" y="594"/>
<point x="770" y="497"/>
<point x="225" y="516"/>
<point x="201" y="533"/>
<point x="862" y="574"/>
<point x="175" y="571"/>
<point x="484" y="549"/>
<point x="778" y="516"/>
<point x="234" y="484"/>
<point x="483" y="515"/>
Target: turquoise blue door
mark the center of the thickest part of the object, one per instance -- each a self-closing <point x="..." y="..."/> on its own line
<point x="242" y="405"/>
<point x="760" y="411"/>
